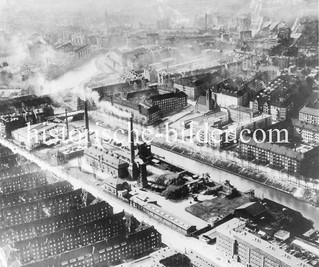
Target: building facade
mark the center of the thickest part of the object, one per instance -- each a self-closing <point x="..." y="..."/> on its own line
<point x="281" y="157"/>
<point x="309" y="115"/>
<point x="105" y="161"/>
<point x="308" y="132"/>
<point x="169" y="102"/>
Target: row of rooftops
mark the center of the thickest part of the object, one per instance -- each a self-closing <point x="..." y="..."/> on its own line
<point x="305" y="125"/>
<point x="309" y="111"/>
<point x="75" y="194"/>
<point x="34" y="193"/>
<point x="229" y="87"/>
<point x="88" y="251"/>
<point x="277" y="93"/>
<point x="54" y="220"/>
<point x="19" y="177"/>
<point x="113" y="219"/>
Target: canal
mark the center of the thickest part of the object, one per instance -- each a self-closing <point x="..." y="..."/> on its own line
<point x="240" y="183"/>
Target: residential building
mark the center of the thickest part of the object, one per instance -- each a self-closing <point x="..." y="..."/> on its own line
<point x="229" y="92"/>
<point x="302" y="159"/>
<point x="82" y="215"/>
<point x="307" y="131"/>
<point x="276" y="99"/>
<point x="309" y="115"/>
<point x="10" y="123"/>
<point x="107" y="252"/>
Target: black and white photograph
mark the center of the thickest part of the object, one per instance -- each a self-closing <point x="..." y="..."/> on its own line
<point x="159" y="133"/>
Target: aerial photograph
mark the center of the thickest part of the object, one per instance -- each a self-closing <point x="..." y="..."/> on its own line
<point x="159" y="133"/>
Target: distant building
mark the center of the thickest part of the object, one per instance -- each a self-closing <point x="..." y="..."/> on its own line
<point x="10" y="123"/>
<point x="33" y="136"/>
<point x="276" y="99"/>
<point x="169" y="102"/>
<point x="190" y="86"/>
<point x="252" y="124"/>
<point x="308" y="132"/>
<point x="309" y="115"/>
<point x="245" y="35"/>
<point x="229" y="93"/>
<point x="82" y="51"/>
<point x="239" y="113"/>
<point x="206" y="103"/>
<point x="280" y="109"/>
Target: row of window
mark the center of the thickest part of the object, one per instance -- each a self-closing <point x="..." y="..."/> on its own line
<point x="43" y="192"/>
<point x="68" y="240"/>
<point x="60" y="222"/>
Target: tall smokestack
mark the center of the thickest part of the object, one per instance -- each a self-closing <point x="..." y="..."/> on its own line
<point x="135" y="171"/>
<point x="132" y="140"/>
<point x="208" y="99"/>
<point x="66" y="124"/>
<point x="86" y="118"/>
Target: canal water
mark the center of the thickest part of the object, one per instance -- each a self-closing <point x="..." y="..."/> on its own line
<point x="240" y="183"/>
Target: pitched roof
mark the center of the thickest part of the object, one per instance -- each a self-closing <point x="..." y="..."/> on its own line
<point x="310" y="111"/>
<point x="305" y="125"/>
<point x="280" y="150"/>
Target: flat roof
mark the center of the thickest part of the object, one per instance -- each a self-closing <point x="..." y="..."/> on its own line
<point x="307" y="246"/>
<point x="234" y="228"/>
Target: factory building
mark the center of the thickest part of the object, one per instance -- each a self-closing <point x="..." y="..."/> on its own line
<point x="106" y="161"/>
<point x="239" y="113"/>
<point x="245" y="247"/>
<point x="169" y="102"/>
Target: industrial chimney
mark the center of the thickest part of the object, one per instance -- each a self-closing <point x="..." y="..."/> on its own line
<point x="132" y="140"/>
<point x="134" y="173"/>
<point x="86" y="118"/>
<point x="208" y="99"/>
<point x="66" y="124"/>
